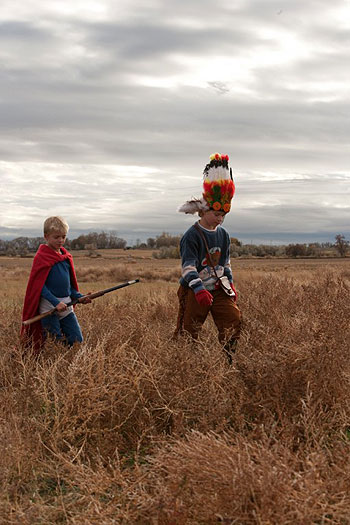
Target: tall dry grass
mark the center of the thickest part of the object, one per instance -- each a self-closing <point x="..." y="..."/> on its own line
<point x="134" y="427"/>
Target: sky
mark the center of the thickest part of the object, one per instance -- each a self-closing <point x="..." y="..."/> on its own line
<point x="110" y="109"/>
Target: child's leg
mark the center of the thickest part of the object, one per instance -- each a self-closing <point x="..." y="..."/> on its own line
<point x="228" y="319"/>
<point x="71" y="329"/>
<point x="51" y="326"/>
<point x="181" y="295"/>
<point x="194" y="314"/>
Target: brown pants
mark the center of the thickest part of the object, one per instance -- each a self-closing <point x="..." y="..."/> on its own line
<point x="226" y="315"/>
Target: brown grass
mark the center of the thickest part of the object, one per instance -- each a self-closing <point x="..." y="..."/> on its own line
<point x="133" y="427"/>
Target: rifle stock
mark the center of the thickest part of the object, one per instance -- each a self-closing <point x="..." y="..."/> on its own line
<point x="76" y="301"/>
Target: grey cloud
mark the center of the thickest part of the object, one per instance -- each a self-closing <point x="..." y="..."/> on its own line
<point x="287" y="13"/>
<point x="283" y="219"/>
<point x="104" y="127"/>
<point x="134" y="41"/>
<point x="69" y="94"/>
<point x="25" y="32"/>
<point x="332" y="67"/>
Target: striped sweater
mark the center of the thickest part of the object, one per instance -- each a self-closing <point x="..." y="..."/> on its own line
<point x="196" y="270"/>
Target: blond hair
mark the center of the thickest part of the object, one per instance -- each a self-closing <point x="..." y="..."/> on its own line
<point x="55" y="224"/>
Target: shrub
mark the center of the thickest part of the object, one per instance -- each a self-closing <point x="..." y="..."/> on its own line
<point x="167" y="252"/>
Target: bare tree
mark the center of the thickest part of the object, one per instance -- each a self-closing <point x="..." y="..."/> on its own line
<point x="151" y="242"/>
<point x="341" y="245"/>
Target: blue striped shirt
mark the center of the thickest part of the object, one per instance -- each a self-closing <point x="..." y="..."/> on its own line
<point x="197" y="272"/>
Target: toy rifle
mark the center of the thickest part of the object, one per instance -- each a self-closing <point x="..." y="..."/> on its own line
<point x="75" y="301"/>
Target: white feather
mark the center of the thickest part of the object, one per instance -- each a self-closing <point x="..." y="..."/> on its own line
<point x="217" y="173"/>
<point x="194" y="206"/>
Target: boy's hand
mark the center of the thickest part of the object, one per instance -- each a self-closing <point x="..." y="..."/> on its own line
<point x="61" y="307"/>
<point x="86" y="299"/>
<point x="204" y="298"/>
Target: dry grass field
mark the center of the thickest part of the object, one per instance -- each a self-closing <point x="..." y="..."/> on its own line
<point x="132" y="427"/>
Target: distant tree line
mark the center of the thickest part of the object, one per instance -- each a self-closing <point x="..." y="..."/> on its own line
<point x="90" y="241"/>
<point x="20" y="245"/>
<point x="98" y="241"/>
<point x="165" y="240"/>
<point x="168" y="246"/>
<point x="315" y="249"/>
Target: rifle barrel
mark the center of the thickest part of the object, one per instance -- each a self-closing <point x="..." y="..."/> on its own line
<point x="107" y="290"/>
<point x="76" y="301"/>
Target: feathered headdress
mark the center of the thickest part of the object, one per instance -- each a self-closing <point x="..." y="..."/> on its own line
<point x="218" y="187"/>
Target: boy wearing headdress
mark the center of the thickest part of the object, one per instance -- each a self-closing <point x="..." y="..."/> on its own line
<point x="206" y="284"/>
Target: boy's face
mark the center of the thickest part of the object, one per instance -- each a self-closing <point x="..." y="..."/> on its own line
<point x="211" y="219"/>
<point x="56" y="240"/>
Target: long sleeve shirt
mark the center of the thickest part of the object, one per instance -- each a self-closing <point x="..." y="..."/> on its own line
<point x="58" y="284"/>
<point x="197" y="272"/>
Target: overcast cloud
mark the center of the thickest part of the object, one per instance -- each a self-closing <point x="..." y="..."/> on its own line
<point x="110" y="110"/>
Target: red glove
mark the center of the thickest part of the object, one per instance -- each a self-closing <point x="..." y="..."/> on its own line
<point x="204" y="298"/>
<point x="234" y="291"/>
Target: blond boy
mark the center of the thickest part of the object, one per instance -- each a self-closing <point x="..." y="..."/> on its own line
<point x="52" y="284"/>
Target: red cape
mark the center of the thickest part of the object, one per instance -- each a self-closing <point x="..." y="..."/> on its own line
<point x="43" y="261"/>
